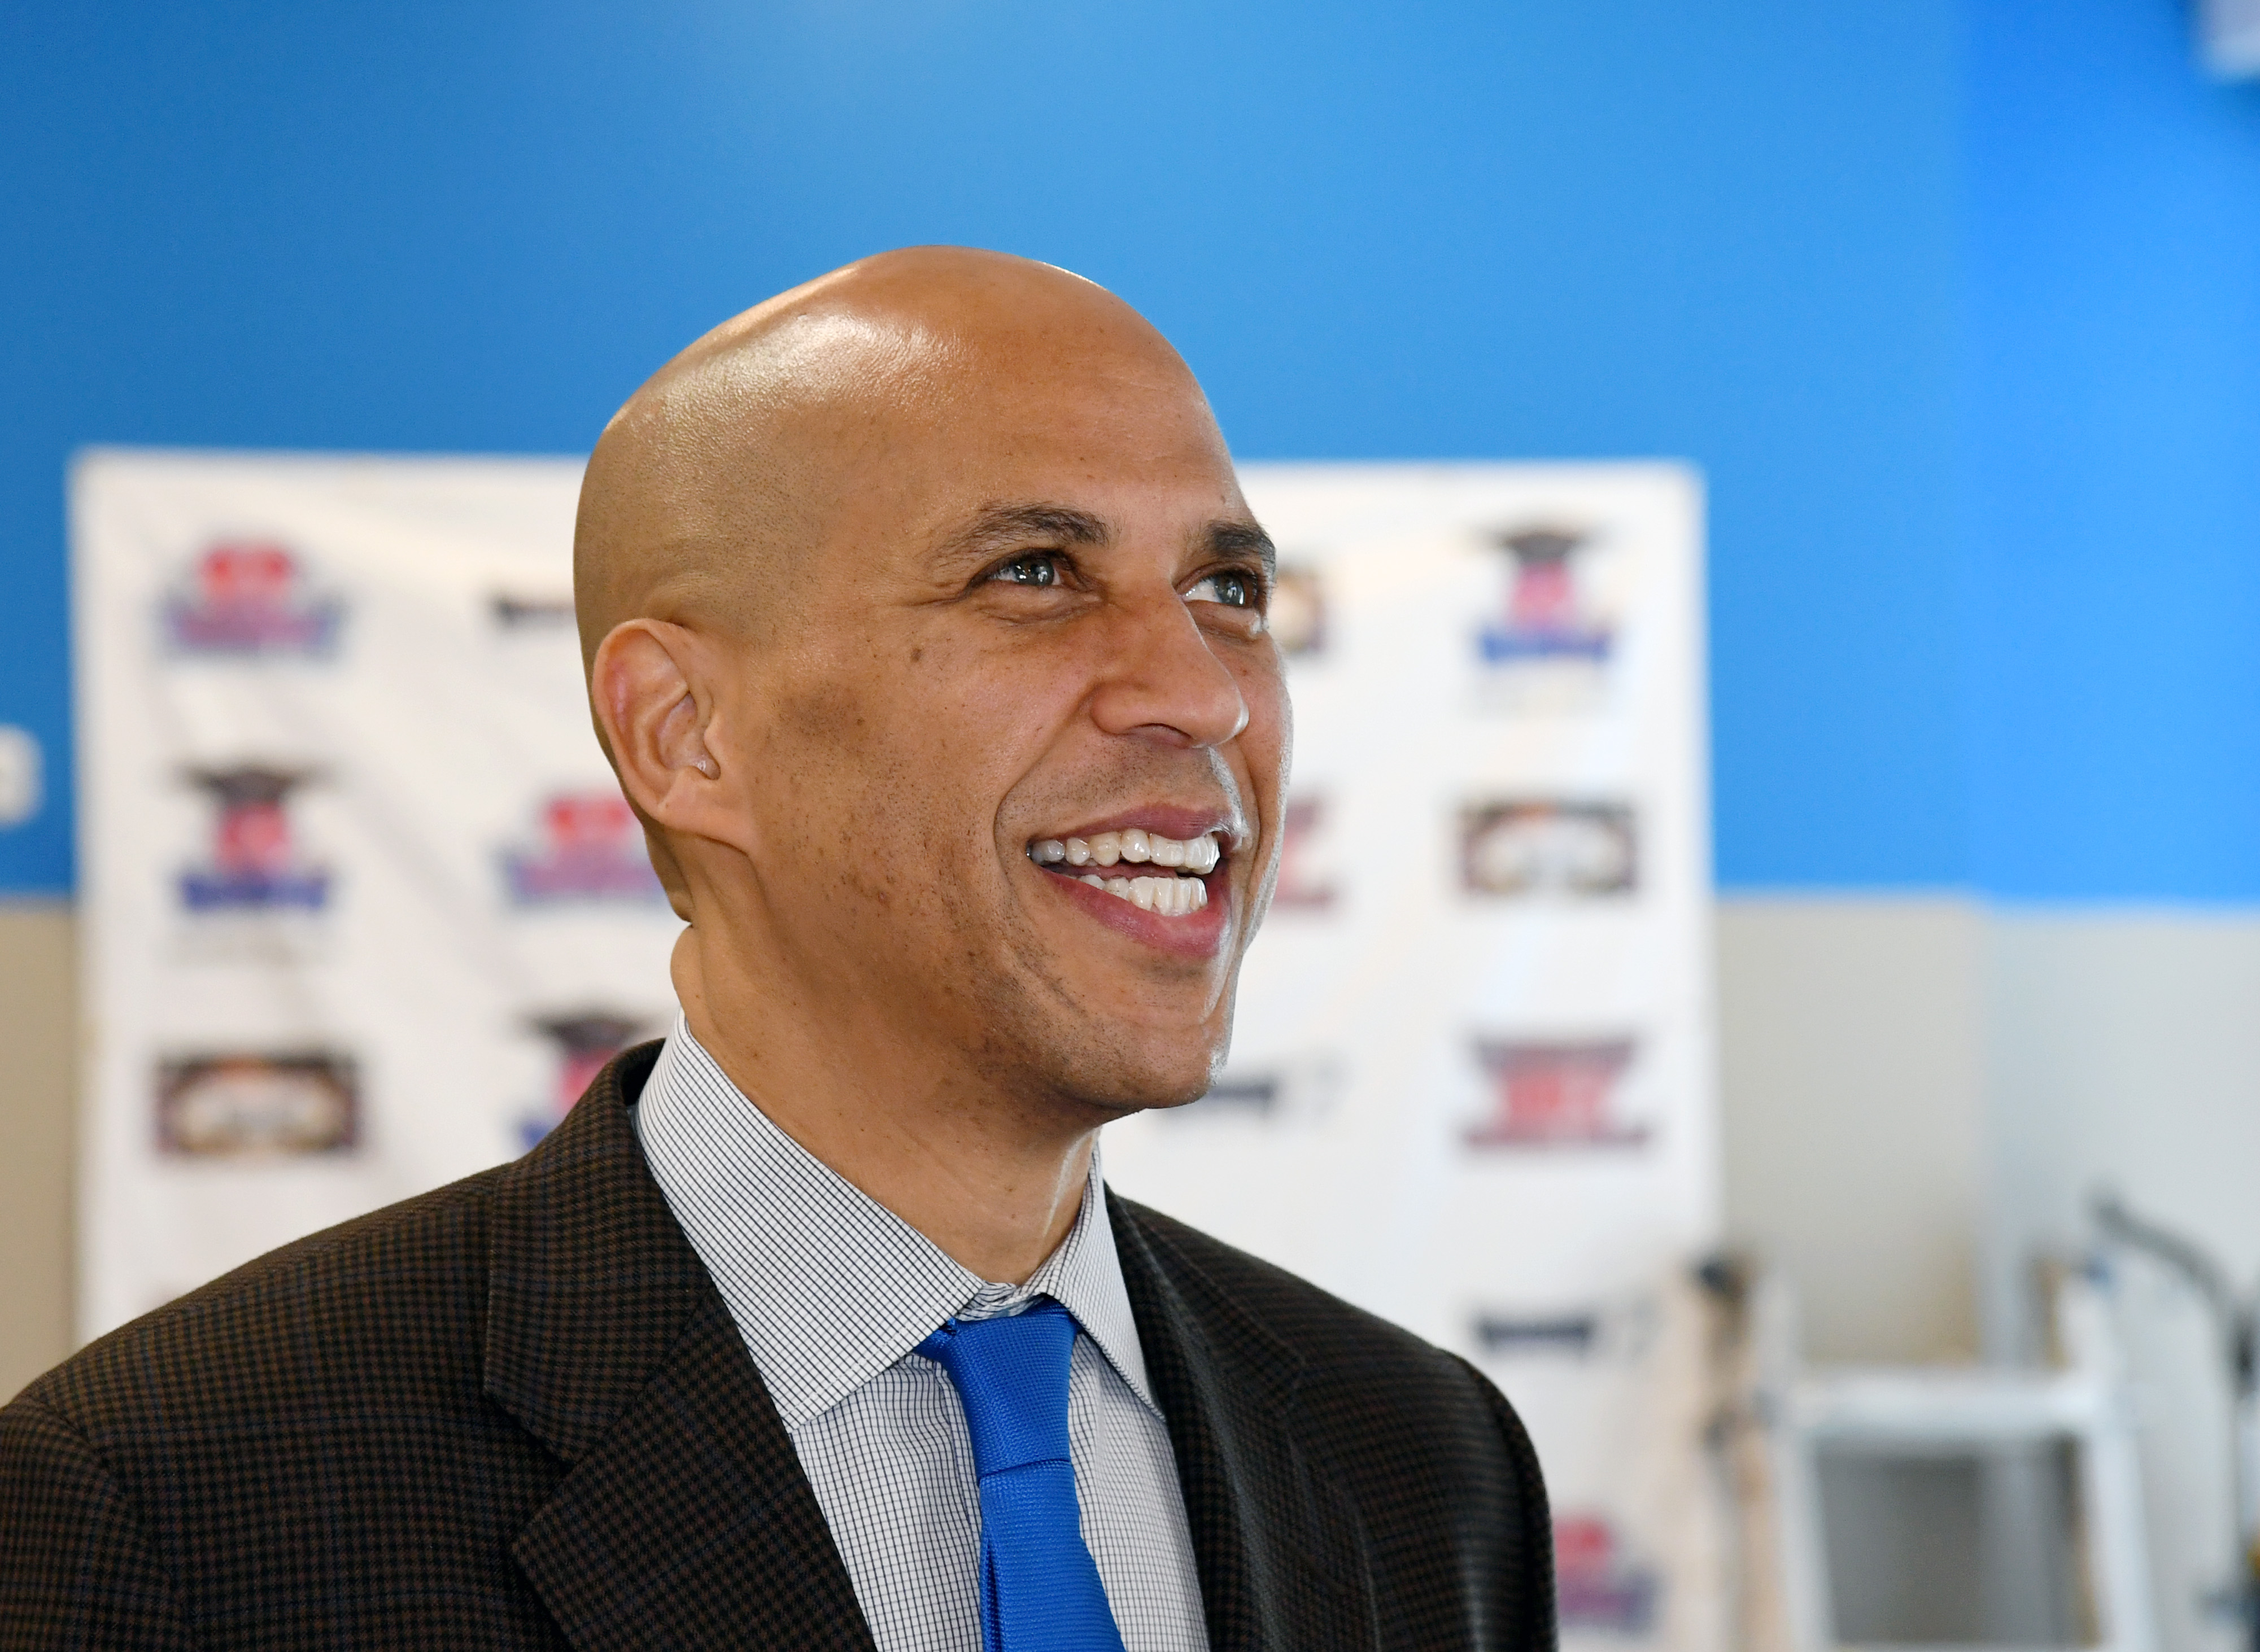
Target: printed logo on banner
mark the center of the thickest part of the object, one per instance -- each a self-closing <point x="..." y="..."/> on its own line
<point x="581" y="1042"/>
<point x="1548" y="846"/>
<point x="1614" y="1331"/>
<point x="22" y="788"/>
<point x="1554" y="1094"/>
<point x="246" y="1104"/>
<point x="1599" y="1585"/>
<point x="1505" y="1337"/>
<point x="1297" y="616"/>
<point x="251" y="599"/>
<point x="1306" y="882"/>
<point x="1546" y="614"/>
<point x="515" y="611"/>
<point x="589" y="846"/>
<point x="1296" y="1090"/>
<point x="252" y="864"/>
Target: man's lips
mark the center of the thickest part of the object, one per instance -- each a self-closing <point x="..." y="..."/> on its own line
<point x="1155" y="873"/>
<point x="1196" y="933"/>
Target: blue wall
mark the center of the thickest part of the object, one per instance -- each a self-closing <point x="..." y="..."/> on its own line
<point x="2114" y="456"/>
<point x="1744" y="232"/>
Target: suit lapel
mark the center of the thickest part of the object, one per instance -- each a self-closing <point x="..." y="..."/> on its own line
<point x="684" y="1518"/>
<point x="1282" y="1558"/>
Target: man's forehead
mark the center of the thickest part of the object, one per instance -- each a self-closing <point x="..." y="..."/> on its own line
<point x="883" y="405"/>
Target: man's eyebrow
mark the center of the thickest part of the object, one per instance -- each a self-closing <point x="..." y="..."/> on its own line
<point x="1003" y="527"/>
<point x="1225" y="538"/>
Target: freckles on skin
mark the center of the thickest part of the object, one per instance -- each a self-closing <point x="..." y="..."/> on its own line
<point x="931" y="730"/>
<point x="876" y="773"/>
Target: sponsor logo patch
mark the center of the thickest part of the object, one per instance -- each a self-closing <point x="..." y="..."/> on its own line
<point x="252" y="865"/>
<point x="1298" y="1088"/>
<point x="1548" y="846"/>
<point x="247" y="1104"/>
<point x="1502" y="1335"/>
<point x="1620" y="1331"/>
<point x="251" y="598"/>
<point x="520" y="610"/>
<point x="1546" y="614"/>
<point x="581" y="1042"/>
<point x="1597" y="1586"/>
<point x="587" y="846"/>
<point x="1297" y="620"/>
<point x="22" y="784"/>
<point x="1554" y="1094"/>
<point x="1306" y="882"/>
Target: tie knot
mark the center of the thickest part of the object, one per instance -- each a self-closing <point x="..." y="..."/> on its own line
<point x="1011" y="1375"/>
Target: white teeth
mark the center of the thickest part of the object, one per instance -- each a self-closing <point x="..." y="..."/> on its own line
<point x="1198" y="856"/>
<point x="1165" y="897"/>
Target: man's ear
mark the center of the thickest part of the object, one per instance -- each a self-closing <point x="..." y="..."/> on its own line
<point x="656" y="712"/>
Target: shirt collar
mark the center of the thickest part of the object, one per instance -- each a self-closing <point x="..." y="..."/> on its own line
<point x="828" y="1286"/>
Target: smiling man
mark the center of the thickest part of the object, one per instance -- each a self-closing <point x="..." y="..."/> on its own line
<point x="925" y="627"/>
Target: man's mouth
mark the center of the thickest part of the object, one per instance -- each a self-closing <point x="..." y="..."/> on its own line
<point x="1168" y="884"/>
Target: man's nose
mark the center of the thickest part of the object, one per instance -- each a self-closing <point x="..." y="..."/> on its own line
<point x="1162" y="677"/>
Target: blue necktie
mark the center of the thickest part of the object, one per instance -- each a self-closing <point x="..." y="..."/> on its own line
<point x="1039" y="1588"/>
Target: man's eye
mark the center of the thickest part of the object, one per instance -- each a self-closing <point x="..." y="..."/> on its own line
<point x="1029" y="570"/>
<point x="1233" y="590"/>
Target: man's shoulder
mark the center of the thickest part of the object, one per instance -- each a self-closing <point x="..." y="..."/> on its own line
<point x="384" y="1304"/>
<point x="1425" y="1455"/>
<point x="1332" y="1338"/>
<point x="340" y="1442"/>
<point x="388" y="1315"/>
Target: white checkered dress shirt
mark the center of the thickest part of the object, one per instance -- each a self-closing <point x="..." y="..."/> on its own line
<point x="832" y="1292"/>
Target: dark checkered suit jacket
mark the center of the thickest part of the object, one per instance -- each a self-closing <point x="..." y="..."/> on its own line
<point x="515" y="1413"/>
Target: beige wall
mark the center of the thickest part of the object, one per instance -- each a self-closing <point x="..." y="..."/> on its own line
<point x="1852" y="1066"/>
<point x="2124" y="1054"/>
<point x="38" y="1020"/>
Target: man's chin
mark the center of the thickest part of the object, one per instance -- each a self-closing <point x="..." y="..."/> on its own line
<point x="1117" y="1045"/>
<point x="1122" y="1082"/>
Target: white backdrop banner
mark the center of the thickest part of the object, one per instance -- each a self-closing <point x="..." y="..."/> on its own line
<point x="364" y="910"/>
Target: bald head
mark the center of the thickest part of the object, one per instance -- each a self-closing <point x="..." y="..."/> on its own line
<point x="707" y="491"/>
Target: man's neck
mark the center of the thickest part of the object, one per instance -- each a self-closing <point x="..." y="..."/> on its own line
<point x="997" y="1191"/>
